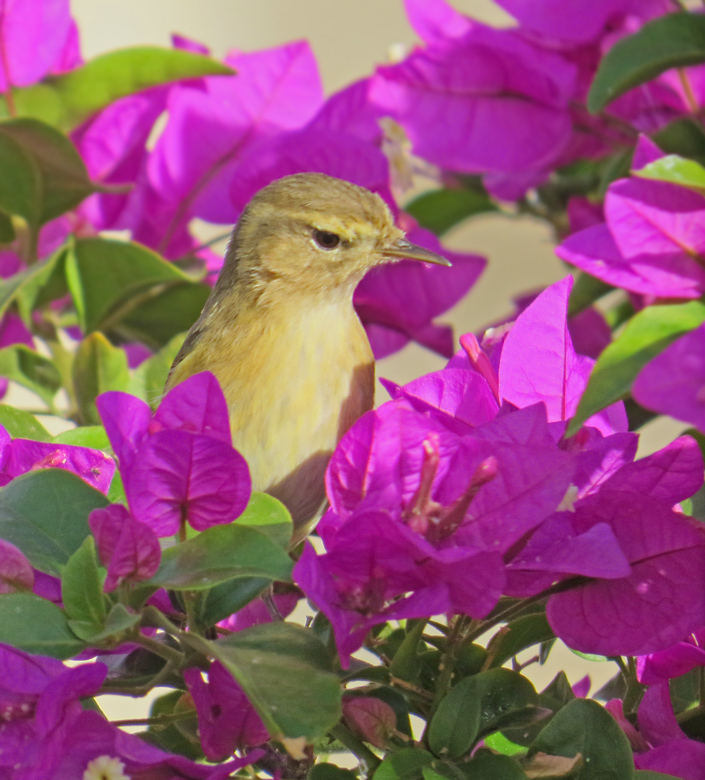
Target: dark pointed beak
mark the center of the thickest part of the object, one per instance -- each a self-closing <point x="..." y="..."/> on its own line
<point x="405" y="249"/>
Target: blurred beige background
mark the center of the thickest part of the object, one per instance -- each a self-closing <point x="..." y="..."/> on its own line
<point x="349" y="37"/>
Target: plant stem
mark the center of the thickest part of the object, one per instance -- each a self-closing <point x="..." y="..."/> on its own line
<point x="635" y="690"/>
<point x="158" y="720"/>
<point x="356" y="746"/>
<point x="170" y="655"/>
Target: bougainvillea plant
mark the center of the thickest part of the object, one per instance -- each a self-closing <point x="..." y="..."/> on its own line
<point x="484" y="513"/>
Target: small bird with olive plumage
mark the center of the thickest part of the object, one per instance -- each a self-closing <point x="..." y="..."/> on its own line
<point x="280" y="333"/>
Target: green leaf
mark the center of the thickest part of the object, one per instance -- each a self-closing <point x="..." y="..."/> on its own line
<point x="158" y="318"/>
<point x="675" y="170"/>
<point x="148" y="379"/>
<point x="229" y="597"/>
<point x="520" y="634"/>
<point x="404" y="764"/>
<point x="21" y="183"/>
<point x="93" y="436"/>
<point x="672" y="41"/>
<point x="39" y="284"/>
<point x="171" y="738"/>
<point x="221" y="553"/>
<point x="35" y="625"/>
<point x="479" y="705"/>
<point x="28" y="368"/>
<point x="586" y="290"/>
<point x="645" y="774"/>
<point x="63" y="179"/>
<point x="647" y="334"/>
<point x="7" y="229"/>
<point x="584" y="727"/>
<point x="499" y="743"/>
<point x="406" y="664"/>
<point x="684" y="136"/>
<point x="98" y="367"/>
<point x="108" y="279"/>
<point x="82" y="591"/>
<point x="285" y="672"/>
<point x="81" y="92"/>
<point x="490" y="767"/>
<point x="22" y="425"/>
<point x="440" y="210"/>
<point x="270" y="517"/>
<point x="114" y="630"/>
<point x="180" y="737"/>
<point x="326" y="771"/>
<point x="456" y="723"/>
<point x="45" y="514"/>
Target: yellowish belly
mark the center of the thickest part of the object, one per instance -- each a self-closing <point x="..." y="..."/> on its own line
<point x="291" y="394"/>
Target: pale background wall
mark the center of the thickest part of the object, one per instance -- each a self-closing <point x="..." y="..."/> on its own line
<point x="349" y="37"/>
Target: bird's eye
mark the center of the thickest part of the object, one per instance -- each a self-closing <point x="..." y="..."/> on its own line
<point x="326" y="240"/>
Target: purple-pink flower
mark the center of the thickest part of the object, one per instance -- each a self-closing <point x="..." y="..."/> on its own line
<point x="128" y="549"/>
<point x="16" y="572"/>
<point x="674" y="381"/>
<point x="226" y="719"/>
<point x="653" y="240"/>
<point x="18" y="456"/>
<point x="178" y="465"/>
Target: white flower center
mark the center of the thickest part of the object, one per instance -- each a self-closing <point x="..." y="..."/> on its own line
<point x="105" y="768"/>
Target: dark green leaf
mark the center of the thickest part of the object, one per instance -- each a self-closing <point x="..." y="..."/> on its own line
<point x="684" y="136"/>
<point x="585" y="727"/>
<point x="586" y="290"/>
<point x="645" y="774"/>
<point x="20" y="183"/>
<point x="269" y="516"/>
<point x="39" y="284"/>
<point x="35" y="625"/>
<point x="7" y="230"/>
<point x="285" y="672"/>
<point x="440" y="210"/>
<point x="108" y="279"/>
<point x="490" y="767"/>
<point x="218" y="554"/>
<point x="405" y="764"/>
<point x="109" y="77"/>
<point x="157" y="319"/>
<point x="406" y="664"/>
<point x="479" y="705"/>
<point x="168" y="737"/>
<point x="63" y="178"/>
<point x="675" y="170"/>
<point x="520" y="634"/>
<point x="456" y="723"/>
<point x="326" y="771"/>
<point x="559" y="689"/>
<point x="672" y="41"/>
<point x="227" y="598"/>
<point x="118" y="622"/>
<point x="82" y="591"/>
<point x="647" y="334"/>
<point x="22" y="425"/>
<point x="98" y="367"/>
<point x="28" y="368"/>
<point x="45" y="514"/>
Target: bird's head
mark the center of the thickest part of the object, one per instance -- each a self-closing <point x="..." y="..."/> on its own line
<point x="317" y="233"/>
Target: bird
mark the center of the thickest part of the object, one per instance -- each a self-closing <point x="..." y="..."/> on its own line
<point x="280" y="333"/>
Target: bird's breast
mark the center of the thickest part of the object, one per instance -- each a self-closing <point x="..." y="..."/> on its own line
<point x="293" y="389"/>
